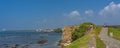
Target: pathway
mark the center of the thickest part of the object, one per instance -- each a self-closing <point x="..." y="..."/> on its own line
<point x="110" y="42"/>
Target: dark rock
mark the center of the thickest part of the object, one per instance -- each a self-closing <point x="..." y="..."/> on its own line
<point x="26" y="45"/>
<point x="42" y="41"/>
<point x="59" y="44"/>
<point x="30" y="43"/>
<point x="5" y="44"/>
<point x="14" y="47"/>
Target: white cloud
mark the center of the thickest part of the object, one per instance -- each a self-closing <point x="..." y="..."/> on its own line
<point x="111" y="10"/>
<point x="89" y="12"/>
<point x="73" y="14"/>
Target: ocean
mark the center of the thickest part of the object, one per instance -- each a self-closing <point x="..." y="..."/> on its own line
<point x="9" y="39"/>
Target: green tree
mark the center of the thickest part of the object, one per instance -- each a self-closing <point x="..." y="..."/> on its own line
<point x="58" y="30"/>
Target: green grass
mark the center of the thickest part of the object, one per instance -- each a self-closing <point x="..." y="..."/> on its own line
<point x="115" y="31"/>
<point x="80" y="40"/>
<point x="100" y="43"/>
<point x="84" y="41"/>
<point x="97" y="30"/>
<point x="80" y="43"/>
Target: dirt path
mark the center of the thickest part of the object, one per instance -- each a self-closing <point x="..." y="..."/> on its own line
<point x="110" y="42"/>
<point x="92" y="43"/>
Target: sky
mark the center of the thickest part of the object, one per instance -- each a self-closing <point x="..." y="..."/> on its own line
<point x="49" y="14"/>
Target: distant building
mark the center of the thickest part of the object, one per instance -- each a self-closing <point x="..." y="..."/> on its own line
<point x="38" y="30"/>
<point x="45" y="30"/>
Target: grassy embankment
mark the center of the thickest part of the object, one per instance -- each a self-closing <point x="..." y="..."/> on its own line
<point x="83" y="41"/>
<point x="115" y="32"/>
<point x="80" y="40"/>
<point x="80" y="43"/>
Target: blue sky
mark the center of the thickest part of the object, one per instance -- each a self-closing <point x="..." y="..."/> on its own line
<point x="47" y="14"/>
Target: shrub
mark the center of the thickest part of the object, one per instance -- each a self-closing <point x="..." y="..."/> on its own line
<point x="58" y="30"/>
<point x="79" y="32"/>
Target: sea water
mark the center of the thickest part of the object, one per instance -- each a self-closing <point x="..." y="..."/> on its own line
<point x="29" y="39"/>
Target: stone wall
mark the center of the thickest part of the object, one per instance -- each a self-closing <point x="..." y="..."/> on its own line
<point x="67" y="34"/>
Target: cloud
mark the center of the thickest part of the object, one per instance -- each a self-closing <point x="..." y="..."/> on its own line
<point x="110" y="13"/>
<point x="89" y="12"/>
<point x="111" y="10"/>
<point x="73" y="14"/>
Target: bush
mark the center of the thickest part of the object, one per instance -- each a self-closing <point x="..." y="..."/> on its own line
<point x="79" y="32"/>
<point x="58" y="30"/>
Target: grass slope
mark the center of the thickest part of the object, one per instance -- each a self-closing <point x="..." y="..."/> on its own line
<point x="80" y="40"/>
<point x="115" y="31"/>
<point x="84" y="40"/>
<point x="80" y="43"/>
<point x="100" y="43"/>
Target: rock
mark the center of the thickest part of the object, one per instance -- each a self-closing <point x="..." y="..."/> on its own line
<point x="5" y="44"/>
<point x="24" y="47"/>
<point x="30" y="43"/>
<point x="42" y="41"/>
<point x="59" y="44"/>
<point x="14" y="47"/>
<point x="67" y="34"/>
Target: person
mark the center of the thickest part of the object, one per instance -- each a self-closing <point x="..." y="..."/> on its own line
<point x="104" y="25"/>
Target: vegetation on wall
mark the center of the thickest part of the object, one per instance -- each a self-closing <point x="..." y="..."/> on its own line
<point x="79" y="32"/>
